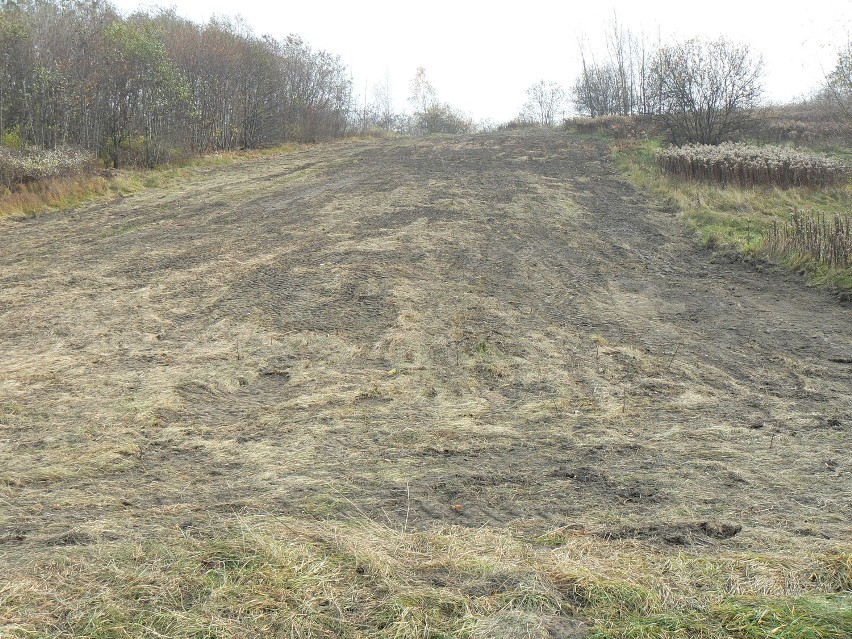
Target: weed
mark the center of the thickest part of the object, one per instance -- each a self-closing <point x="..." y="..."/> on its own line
<point x="748" y="166"/>
<point x="829" y="242"/>
<point x="19" y="166"/>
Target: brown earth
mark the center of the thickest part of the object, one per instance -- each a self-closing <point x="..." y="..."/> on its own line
<point x="490" y="331"/>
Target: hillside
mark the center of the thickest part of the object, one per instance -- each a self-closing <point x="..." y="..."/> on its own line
<point x="477" y="385"/>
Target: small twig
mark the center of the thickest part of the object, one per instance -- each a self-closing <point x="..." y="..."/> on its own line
<point x="407" y="506"/>
<point x="671" y="361"/>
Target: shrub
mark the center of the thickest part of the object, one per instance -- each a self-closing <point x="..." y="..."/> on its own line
<point x="708" y="91"/>
<point x="748" y="166"/>
<point x="12" y="139"/>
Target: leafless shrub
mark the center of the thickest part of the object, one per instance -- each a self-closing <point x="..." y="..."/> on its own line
<point x="23" y="167"/>
<point x="828" y="241"/>
<point x="545" y="101"/>
<point x="749" y="166"/>
<point x="709" y="91"/>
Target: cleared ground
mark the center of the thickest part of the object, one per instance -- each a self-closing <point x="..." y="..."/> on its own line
<point x="491" y="332"/>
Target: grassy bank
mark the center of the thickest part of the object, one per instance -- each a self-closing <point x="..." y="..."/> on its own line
<point x="65" y="192"/>
<point x="738" y="219"/>
<point x="273" y="576"/>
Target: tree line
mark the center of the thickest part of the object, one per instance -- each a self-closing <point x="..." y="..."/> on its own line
<point x="702" y="91"/>
<point x="151" y="86"/>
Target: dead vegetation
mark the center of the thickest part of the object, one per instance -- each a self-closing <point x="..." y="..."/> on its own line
<point x="816" y="238"/>
<point x="742" y="165"/>
<point x="469" y="386"/>
<point x="22" y="166"/>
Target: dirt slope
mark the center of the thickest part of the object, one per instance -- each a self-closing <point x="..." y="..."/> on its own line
<point x="492" y="330"/>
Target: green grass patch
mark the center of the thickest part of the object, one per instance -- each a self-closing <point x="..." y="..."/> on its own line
<point x="266" y="576"/>
<point x="807" y="617"/>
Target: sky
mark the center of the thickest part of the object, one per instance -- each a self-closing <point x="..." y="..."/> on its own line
<point x="482" y="57"/>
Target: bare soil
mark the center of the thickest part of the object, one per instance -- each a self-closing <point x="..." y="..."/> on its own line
<point x="486" y="331"/>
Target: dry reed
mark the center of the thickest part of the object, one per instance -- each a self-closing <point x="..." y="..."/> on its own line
<point x="828" y="241"/>
<point x="24" y="167"/>
<point x="748" y="166"/>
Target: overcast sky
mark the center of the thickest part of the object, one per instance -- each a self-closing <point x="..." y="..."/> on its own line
<point x="482" y="56"/>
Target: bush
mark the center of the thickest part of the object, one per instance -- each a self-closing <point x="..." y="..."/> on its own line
<point x="708" y="91"/>
<point x="442" y="118"/>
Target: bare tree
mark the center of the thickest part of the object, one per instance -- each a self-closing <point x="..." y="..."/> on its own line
<point x="838" y="83"/>
<point x="386" y="118"/>
<point x="544" y="103"/>
<point x="595" y="92"/>
<point x="430" y="114"/>
<point x="423" y="95"/>
<point x="619" y="83"/>
<point x="708" y="90"/>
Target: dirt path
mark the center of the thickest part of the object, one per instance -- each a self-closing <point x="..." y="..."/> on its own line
<point x="492" y="330"/>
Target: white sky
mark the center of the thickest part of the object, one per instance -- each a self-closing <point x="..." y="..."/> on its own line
<point x="481" y="58"/>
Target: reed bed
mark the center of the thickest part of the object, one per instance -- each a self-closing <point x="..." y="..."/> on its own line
<point x="749" y="166"/>
<point x="826" y="240"/>
<point x="27" y="166"/>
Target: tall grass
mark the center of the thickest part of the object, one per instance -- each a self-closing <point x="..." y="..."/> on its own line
<point x="21" y="166"/>
<point x="33" y="182"/>
<point x="755" y="221"/>
<point x="824" y="240"/>
<point x="749" y="166"/>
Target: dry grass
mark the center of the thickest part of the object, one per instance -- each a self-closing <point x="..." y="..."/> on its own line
<point x="825" y="241"/>
<point x="64" y="182"/>
<point x="618" y="127"/>
<point x="274" y="576"/>
<point x="56" y="193"/>
<point x="747" y="166"/>
<point x="815" y="124"/>
<point x="410" y="388"/>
